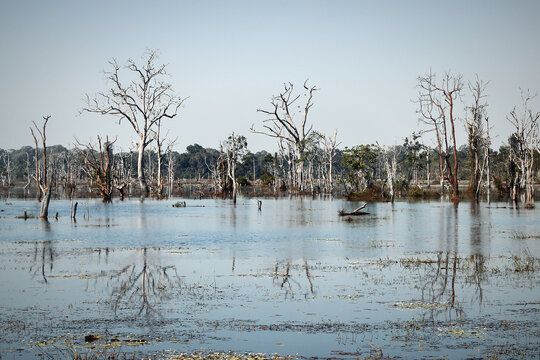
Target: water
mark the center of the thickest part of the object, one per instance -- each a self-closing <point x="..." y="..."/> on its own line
<point x="412" y="279"/>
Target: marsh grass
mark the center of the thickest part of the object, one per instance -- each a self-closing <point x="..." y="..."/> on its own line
<point x="520" y="235"/>
<point x="525" y="262"/>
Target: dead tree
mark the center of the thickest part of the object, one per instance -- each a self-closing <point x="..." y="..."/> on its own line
<point x="282" y="125"/>
<point x="122" y="172"/>
<point x="330" y="145"/>
<point x="436" y="108"/>
<point x="160" y="154"/>
<point x="99" y="164"/>
<point x="218" y="173"/>
<point x="43" y="182"/>
<point x="313" y="157"/>
<point x="525" y="144"/>
<point x="235" y="147"/>
<point x="28" y="176"/>
<point x="170" y="165"/>
<point x="7" y="168"/>
<point x="143" y="102"/>
<point x="355" y="212"/>
<point x="474" y="125"/>
<point x="39" y="193"/>
<point x="390" y="163"/>
<point x="486" y="165"/>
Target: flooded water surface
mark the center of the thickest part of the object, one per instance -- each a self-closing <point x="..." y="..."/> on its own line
<point x="408" y="280"/>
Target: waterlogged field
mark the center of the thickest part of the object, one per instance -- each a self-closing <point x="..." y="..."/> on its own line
<point x="409" y="280"/>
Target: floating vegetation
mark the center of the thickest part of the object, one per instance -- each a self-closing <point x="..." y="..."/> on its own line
<point x="384" y="262"/>
<point x="350" y="297"/>
<point x="458" y="331"/>
<point x="422" y="305"/>
<point x="519" y="235"/>
<point x="181" y="252"/>
<point x="382" y="243"/>
<point x="228" y="356"/>
<point x="80" y="276"/>
<point x="524" y="263"/>
<point x="415" y="262"/>
<point x="93" y="341"/>
<point x="260" y="275"/>
<point x="328" y="240"/>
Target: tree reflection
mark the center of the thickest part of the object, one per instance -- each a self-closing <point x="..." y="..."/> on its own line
<point x="142" y="286"/>
<point x="477" y="276"/>
<point x="283" y="277"/>
<point x="440" y="291"/>
<point x="42" y="258"/>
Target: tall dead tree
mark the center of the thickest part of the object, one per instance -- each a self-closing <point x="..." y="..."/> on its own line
<point x="43" y="182"/>
<point x="160" y="154"/>
<point x="390" y="163"/>
<point x="474" y="125"/>
<point x="143" y="100"/>
<point x="8" y="169"/>
<point x="235" y="147"/>
<point x="330" y="145"/>
<point x="436" y="108"/>
<point x="170" y="165"/>
<point x="28" y="176"/>
<point x="524" y="145"/>
<point x="218" y="173"/>
<point x="282" y="125"/>
<point x="99" y="163"/>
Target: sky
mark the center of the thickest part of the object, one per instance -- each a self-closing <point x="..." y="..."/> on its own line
<point x="229" y="57"/>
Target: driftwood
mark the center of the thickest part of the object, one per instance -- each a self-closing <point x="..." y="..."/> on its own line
<point x="355" y="212"/>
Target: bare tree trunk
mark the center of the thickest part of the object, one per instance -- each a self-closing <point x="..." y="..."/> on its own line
<point x="232" y="168"/>
<point x="391" y="172"/>
<point x="486" y="157"/>
<point x="44" y="186"/>
<point x="145" y="191"/>
<point x="159" y="180"/>
<point x="428" y="173"/>
<point x="44" y="211"/>
<point x="36" y="162"/>
<point x="170" y="166"/>
<point x="28" y="179"/>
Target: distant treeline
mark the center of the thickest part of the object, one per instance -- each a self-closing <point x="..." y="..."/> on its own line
<point x="354" y="169"/>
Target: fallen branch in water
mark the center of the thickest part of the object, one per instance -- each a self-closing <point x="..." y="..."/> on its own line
<point x="355" y="212"/>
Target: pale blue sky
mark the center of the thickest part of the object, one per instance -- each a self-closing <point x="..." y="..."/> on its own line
<point x="230" y="57"/>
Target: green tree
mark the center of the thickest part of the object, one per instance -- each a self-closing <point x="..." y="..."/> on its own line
<point x="361" y="160"/>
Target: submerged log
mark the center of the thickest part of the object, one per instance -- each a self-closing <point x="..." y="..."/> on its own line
<point x="355" y="212"/>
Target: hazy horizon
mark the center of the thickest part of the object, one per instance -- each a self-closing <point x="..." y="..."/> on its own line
<point x="229" y="58"/>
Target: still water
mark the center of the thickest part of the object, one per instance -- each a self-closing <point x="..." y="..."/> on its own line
<point x="411" y="279"/>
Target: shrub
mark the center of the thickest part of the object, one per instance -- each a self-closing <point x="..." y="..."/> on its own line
<point x="417" y="192"/>
<point x="373" y="193"/>
<point x="242" y="181"/>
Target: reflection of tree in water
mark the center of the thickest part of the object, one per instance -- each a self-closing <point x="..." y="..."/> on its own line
<point x="440" y="286"/>
<point x="477" y="275"/>
<point x="283" y="277"/>
<point x="41" y="258"/>
<point x="144" y="286"/>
